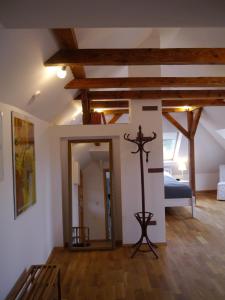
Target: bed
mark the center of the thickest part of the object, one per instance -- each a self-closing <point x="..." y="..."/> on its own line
<point x="177" y="193"/>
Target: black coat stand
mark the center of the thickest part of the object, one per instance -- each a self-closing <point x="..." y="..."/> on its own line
<point x="143" y="217"/>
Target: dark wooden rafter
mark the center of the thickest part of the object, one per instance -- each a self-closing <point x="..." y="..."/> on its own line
<point x="67" y="41"/>
<point x="86" y="107"/>
<point x="178" y="109"/>
<point x="103" y="118"/>
<point x="196" y="118"/>
<point x="126" y="111"/>
<point x="115" y="111"/>
<point x="155" y="94"/>
<point x="115" y="118"/>
<point x="176" y="124"/>
<point x="138" y="56"/>
<point x="193" y="102"/>
<point x="191" y="146"/>
<point x="193" y="118"/>
<point x="177" y="104"/>
<point x="109" y="104"/>
<point x="145" y="82"/>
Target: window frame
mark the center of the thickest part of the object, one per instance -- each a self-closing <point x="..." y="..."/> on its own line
<point x="176" y="146"/>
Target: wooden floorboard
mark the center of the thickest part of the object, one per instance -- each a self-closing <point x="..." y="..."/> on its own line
<point x="191" y="266"/>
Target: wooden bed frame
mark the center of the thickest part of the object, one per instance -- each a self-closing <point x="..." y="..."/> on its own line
<point x="177" y="202"/>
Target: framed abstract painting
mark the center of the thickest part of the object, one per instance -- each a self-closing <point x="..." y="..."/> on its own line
<point x="1" y="147"/>
<point x="23" y="148"/>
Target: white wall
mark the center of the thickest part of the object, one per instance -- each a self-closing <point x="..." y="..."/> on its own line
<point x="28" y="239"/>
<point x="130" y="174"/>
<point x="94" y="202"/>
<point x="130" y="185"/>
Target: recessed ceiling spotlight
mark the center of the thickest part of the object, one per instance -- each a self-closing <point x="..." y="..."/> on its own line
<point x="99" y="110"/>
<point x="186" y="107"/>
<point x="61" y="72"/>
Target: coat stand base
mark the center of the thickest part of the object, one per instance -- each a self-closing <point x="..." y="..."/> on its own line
<point x="144" y="219"/>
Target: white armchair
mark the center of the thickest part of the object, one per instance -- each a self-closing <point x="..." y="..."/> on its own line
<point x="221" y="183"/>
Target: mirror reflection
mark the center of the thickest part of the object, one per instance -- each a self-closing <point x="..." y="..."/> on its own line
<point x="91" y="195"/>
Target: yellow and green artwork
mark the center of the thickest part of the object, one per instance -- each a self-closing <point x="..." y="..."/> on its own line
<point x="24" y="163"/>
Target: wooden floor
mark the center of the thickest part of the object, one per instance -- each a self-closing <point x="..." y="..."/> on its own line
<point x="191" y="266"/>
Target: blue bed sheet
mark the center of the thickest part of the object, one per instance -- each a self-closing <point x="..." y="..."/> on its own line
<point x="176" y="189"/>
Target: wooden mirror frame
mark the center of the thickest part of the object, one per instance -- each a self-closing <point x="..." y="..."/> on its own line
<point x="70" y="142"/>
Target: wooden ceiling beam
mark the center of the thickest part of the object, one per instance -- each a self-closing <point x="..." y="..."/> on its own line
<point x="145" y="82"/>
<point x="115" y="111"/>
<point x="109" y="104"/>
<point x="196" y="118"/>
<point x="165" y="103"/>
<point x="194" y="102"/>
<point x="176" y="124"/>
<point x="103" y="118"/>
<point x="115" y="118"/>
<point x="139" y="56"/>
<point x="178" y="109"/>
<point x="67" y="40"/>
<point x="126" y="111"/>
<point x="156" y="94"/>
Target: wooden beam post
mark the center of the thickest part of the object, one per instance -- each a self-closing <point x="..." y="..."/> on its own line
<point x="176" y="124"/>
<point x="197" y="115"/>
<point x="191" y="146"/>
<point x="86" y="107"/>
<point x="115" y="118"/>
<point x="103" y="118"/>
<point x="193" y="118"/>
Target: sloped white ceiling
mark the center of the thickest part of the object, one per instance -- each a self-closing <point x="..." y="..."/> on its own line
<point x="22" y="54"/>
<point x="214" y="122"/>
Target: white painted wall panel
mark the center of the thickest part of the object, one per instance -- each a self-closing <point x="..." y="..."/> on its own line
<point x="28" y="239"/>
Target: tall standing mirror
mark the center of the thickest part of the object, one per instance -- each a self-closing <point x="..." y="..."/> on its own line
<point x="90" y="178"/>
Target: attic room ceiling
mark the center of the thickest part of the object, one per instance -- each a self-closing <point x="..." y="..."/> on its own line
<point x="101" y="13"/>
<point x="56" y="103"/>
<point x="152" y="61"/>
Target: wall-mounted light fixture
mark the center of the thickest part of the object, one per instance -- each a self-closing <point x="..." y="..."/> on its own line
<point x="34" y="97"/>
<point x="61" y="72"/>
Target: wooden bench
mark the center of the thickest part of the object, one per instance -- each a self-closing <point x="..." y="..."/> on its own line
<point x="40" y="282"/>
